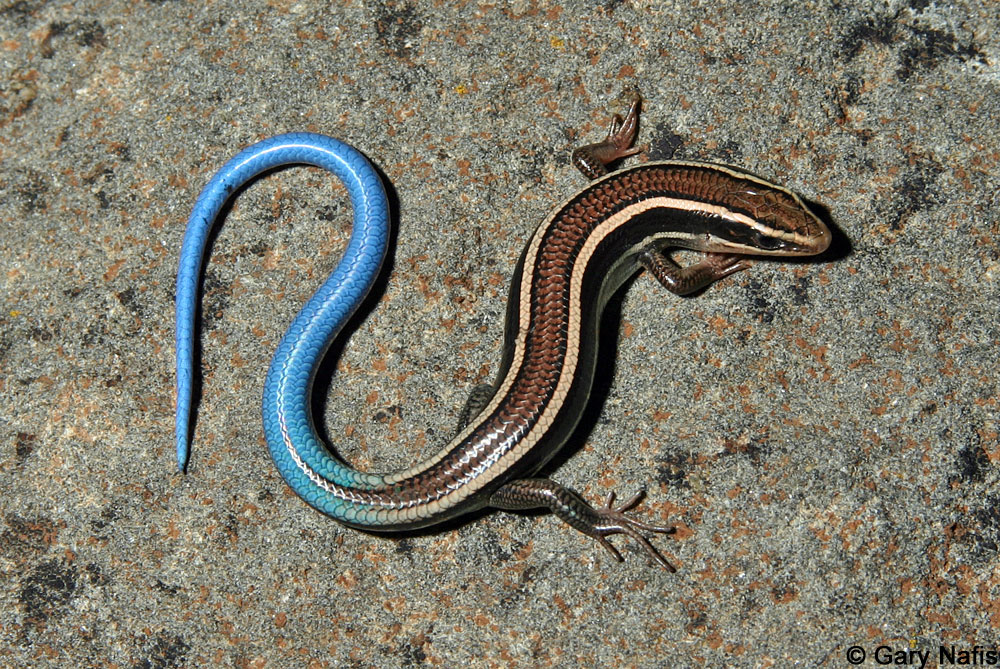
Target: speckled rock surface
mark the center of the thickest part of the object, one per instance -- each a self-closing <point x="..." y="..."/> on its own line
<point x="823" y="433"/>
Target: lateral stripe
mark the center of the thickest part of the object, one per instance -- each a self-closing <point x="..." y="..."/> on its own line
<point x="490" y="466"/>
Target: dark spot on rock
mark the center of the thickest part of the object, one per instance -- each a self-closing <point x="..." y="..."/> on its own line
<point x="25" y="538"/>
<point x="397" y="25"/>
<point x="164" y="652"/>
<point x="81" y="33"/>
<point x="24" y="445"/>
<point x="47" y="587"/>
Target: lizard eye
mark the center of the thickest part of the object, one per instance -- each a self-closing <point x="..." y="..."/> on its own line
<point x="768" y="243"/>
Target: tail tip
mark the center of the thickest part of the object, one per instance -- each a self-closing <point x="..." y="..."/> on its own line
<point x="182" y="456"/>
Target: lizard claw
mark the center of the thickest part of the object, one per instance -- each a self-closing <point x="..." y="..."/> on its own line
<point x="614" y="521"/>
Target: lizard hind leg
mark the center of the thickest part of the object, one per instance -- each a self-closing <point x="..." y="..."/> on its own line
<point x="571" y="508"/>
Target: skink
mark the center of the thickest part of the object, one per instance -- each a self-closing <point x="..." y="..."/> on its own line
<point x="576" y="259"/>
